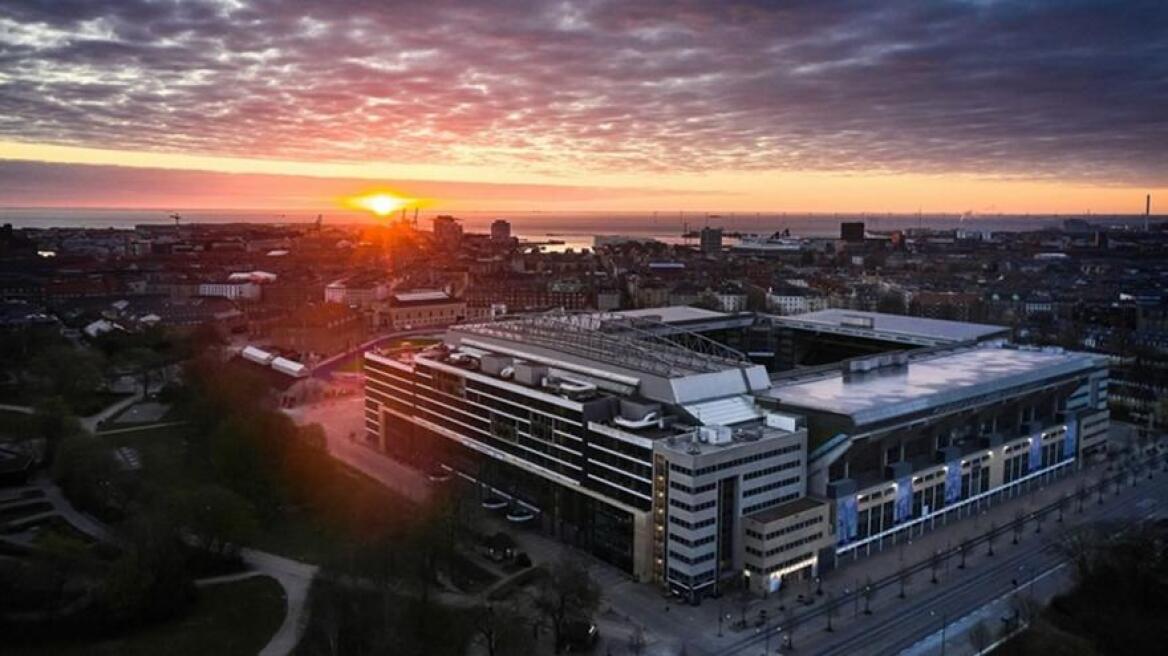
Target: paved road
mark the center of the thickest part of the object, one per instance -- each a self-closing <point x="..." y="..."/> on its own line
<point x="897" y="625"/>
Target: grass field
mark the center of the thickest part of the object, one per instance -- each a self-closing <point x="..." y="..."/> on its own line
<point x="229" y="619"/>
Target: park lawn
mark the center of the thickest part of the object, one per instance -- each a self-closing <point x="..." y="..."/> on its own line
<point x="229" y="619"/>
<point x="313" y="535"/>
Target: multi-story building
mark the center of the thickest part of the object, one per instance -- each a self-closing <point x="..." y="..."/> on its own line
<point x="638" y="438"/>
<point x="407" y="310"/>
<point x="904" y="440"/>
<point x="500" y="230"/>
<point x="447" y="232"/>
<point x="626" y="444"/>
<point x="711" y="240"/>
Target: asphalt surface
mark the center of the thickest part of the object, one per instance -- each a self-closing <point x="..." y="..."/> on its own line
<point x="897" y="624"/>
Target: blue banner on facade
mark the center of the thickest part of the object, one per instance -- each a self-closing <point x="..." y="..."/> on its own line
<point x="953" y="481"/>
<point x="903" y="506"/>
<point x="1071" y="439"/>
<point x="1036" y="452"/>
<point x="845" y="524"/>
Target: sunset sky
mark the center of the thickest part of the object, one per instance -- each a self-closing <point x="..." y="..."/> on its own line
<point x="977" y="105"/>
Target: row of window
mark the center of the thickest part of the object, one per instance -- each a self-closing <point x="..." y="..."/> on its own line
<point x="771" y="486"/>
<point x="770" y="503"/>
<point x="785" y="547"/>
<point x="734" y="463"/>
<point x="688" y="580"/>
<point x="692" y="525"/>
<point x="673" y="555"/>
<point x="692" y="490"/>
<point x="694" y="508"/>
<point x="772" y="470"/>
<point x="673" y="537"/>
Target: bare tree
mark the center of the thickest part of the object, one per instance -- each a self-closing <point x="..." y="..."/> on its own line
<point x="566" y="593"/>
<point x="503" y="631"/>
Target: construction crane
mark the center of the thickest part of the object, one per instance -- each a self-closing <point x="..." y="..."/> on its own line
<point x="177" y="218"/>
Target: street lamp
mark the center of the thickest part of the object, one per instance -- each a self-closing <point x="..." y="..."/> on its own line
<point x="944" y="625"/>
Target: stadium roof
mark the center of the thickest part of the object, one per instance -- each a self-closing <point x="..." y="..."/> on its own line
<point x="893" y="327"/>
<point x="930" y="381"/>
<point x="682" y="367"/>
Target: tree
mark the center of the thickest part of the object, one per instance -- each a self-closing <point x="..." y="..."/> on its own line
<point x="566" y="593"/>
<point x="503" y="631"/>
<point x="54" y="422"/>
<point x="68" y="372"/>
<point x="980" y="636"/>
<point x="220" y="520"/>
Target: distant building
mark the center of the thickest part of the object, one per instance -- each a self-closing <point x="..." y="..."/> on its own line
<point x="711" y="240"/>
<point x="423" y="307"/>
<point x="500" y="230"/>
<point x="356" y="291"/>
<point x="233" y="290"/>
<point x="852" y="231"/>
<point x="447" y="232"/>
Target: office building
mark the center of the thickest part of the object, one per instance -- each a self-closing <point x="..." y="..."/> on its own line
<point x="711" y="240"/>
<point x="500" y="230"/>
<point x="648" y="452"/>
<point x="852" y="231"/>
<point x="447" y="232"/>
<point x="637" y="438"/>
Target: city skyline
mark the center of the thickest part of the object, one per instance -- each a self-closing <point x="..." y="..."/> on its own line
<point x="954" y="107"/>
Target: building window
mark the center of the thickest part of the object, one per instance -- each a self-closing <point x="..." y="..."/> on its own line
<point x="503" y="427"/>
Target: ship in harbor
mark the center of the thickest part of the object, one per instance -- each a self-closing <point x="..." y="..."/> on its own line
<point x="779" y="243"/>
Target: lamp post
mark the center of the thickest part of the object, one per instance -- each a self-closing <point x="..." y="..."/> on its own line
<point x="944" y="625"/>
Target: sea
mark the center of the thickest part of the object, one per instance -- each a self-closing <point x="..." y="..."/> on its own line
<point x="572" y="229"/>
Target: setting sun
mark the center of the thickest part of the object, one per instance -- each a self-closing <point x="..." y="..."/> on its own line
<point x="381" y="204"/>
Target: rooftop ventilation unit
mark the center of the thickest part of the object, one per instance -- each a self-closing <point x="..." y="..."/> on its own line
<point x="715" y="435"/>
<point x="530" y="374"/>
<point x="857" y="321"/>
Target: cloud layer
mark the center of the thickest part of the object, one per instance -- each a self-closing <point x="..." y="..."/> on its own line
<point x="1059" y="90"/>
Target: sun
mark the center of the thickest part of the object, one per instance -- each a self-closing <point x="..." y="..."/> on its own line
<point x="381" y="204"/>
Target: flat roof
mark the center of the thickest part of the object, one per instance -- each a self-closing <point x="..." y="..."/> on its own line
<point x="926" y="382"/>
<point x="802" y="504"/>
<point x="674" y="313"/>
<point x="892" y="327"/>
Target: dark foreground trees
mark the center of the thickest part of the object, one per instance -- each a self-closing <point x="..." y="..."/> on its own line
<point x="1119" y="601"/>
